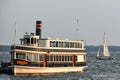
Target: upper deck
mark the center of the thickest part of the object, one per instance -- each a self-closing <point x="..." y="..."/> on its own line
<point x="34" y="41"/>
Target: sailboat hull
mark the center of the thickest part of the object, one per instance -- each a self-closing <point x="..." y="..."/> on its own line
<point x="104" y="58"/>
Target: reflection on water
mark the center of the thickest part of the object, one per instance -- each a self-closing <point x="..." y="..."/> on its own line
<point x="97" y="70"/>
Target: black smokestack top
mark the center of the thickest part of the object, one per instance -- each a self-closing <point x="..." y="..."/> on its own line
<point x="38" y="28"/>
<point x="38" y="22"/>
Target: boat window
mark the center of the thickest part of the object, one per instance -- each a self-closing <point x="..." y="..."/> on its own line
<point x="34" y="40"/>
<point x="56" y="44"/>
<point x="35" y="57"/>
<point x="51" y="59"/>
<point x="57" y="58"/>
<point x="70" y="59"/>
<point x="75" y="45"/>
<point x="40" y="58"/>
<point x="20" y="56"/>
<point x="51" y="44"/>
<point x="65" y="58"/>
<point x="60" y="44"/>
<point x="21" y="41"/>
<point x="63" y="44"/>
<point x="70" y="45"/>
<point x="31" y="40"/>
<point x="48" y="58"/>
<point x="27" y="40"/>
<point x="80" y="45"/>
<point x="67" y="44"/>
<point x="54" y="58"/>
<point x="75" y="58"/>
<point x="29" y="57"/>
<point x="62" y="58"/>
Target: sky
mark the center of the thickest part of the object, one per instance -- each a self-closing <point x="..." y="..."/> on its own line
<point x="59" y="19"/>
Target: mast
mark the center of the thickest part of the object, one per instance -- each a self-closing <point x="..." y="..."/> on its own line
<point x="77" y="29"/>
<point x="15" y="34"/>
<point x="105" y="47"/>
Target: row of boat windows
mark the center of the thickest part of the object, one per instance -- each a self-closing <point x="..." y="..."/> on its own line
<point x="28" y="41"/>
<point x="65" y="44"/>
<point x="53" y="43"/>
<point x="36" y="58"/>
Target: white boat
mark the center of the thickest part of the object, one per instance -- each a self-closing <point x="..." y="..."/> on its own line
<point x="35" y="55"/>
<point x="106" y="54"/>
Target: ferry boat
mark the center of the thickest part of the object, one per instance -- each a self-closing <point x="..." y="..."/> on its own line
<point x="36" y="55"/>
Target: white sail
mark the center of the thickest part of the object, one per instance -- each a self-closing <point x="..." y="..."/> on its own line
<point x="105" y="48"/>
<point x="98" y="54"/>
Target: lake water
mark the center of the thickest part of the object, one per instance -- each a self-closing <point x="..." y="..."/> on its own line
<point x="97" y="70"/>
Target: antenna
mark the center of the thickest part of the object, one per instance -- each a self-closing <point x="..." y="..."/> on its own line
<point x="77" y="29"/>
<point x="15" y="34"/>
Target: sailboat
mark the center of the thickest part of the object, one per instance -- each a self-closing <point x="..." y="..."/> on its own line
<point x="106" y="53"/>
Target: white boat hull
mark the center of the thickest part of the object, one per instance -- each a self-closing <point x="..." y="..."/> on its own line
<point x="104" y="58"/>
<point x="27" y="70"/>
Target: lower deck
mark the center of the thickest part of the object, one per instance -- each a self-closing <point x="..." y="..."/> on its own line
<point x="47" y="64"/>
<point x="47" y="59"/>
